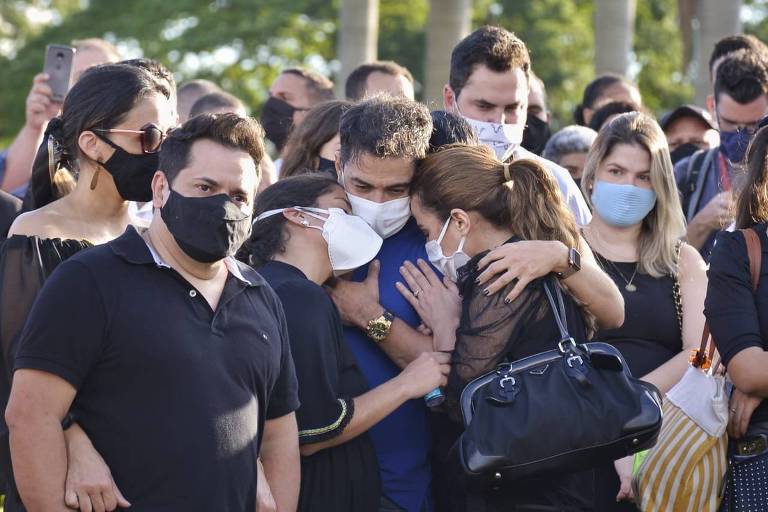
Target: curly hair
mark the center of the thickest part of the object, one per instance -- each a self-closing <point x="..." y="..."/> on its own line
<point x="385" y="126"/>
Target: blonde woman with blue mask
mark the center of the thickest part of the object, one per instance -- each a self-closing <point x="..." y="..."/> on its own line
<point x="635" y="234"/>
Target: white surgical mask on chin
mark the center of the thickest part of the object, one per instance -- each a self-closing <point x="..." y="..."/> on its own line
<point x="499" y="137"/>
<point x="448" y="265"/>
<point x="351" y="242"/>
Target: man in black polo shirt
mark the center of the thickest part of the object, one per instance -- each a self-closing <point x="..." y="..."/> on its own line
<point x="169" y="353"/>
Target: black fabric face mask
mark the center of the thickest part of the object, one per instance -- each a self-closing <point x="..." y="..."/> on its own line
<point x="207" y="229"/>
<point x="132" y="173"/>
<point x="277" y="119"/>
<point x="683" y="151"/>
<point x="535" y="135"/>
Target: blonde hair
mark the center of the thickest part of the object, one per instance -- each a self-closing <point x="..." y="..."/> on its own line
<point x="521" y="196"/>
<point x="664" y="225"/>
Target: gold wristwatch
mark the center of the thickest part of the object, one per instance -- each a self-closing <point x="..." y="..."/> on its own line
<point x="378" y="328"/>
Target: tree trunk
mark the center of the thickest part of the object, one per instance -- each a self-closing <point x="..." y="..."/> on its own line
<point x="358" y="37"/>
<point x="449" y="22"/>
<point x="614" y="31"/>
<point x="717" y="19"/>
<point x="686" y="13"/>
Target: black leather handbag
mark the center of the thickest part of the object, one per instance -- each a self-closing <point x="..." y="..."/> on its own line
<point x="569" y="409"/>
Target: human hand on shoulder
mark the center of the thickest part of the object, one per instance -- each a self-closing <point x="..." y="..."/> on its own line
<point x="522" y="261"/>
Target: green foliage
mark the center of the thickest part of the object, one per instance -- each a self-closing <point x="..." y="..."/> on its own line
<point x="659" y="53"/>
<point x="242" y="44"/>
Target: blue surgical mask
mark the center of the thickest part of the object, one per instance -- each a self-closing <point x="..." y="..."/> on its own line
<point x="734" y="144"/>
<point x="622" y="205"/>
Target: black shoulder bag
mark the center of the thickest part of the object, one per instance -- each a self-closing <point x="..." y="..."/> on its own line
<point x="569" y="409"/>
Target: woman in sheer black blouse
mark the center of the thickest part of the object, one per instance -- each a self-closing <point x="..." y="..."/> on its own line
<point x="468" y="203"/>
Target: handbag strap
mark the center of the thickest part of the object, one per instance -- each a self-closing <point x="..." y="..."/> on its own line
<point x="706" y="351"/>
<point x="558" y="310"/>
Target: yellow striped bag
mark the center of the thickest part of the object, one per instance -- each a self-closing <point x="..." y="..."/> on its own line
<point x="684" y="471"/>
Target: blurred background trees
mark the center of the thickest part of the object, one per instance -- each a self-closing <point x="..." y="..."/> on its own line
<point x="243" y="44"/>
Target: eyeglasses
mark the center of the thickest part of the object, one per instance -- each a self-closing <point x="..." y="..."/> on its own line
<point x="152" y="136"/>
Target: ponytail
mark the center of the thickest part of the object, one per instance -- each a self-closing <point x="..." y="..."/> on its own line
<point x="520" y="196"/>
<point x="51" y="176"/>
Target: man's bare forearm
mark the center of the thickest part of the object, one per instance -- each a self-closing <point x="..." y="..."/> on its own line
<point x="280" y="459"/>
<point x="20" y="157"/>
<point x="39" y="456"/>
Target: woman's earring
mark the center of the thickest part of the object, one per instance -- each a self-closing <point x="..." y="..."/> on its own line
<point x="95" y="179"/>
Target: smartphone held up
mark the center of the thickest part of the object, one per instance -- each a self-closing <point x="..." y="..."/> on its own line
<point x="58" y="67"/>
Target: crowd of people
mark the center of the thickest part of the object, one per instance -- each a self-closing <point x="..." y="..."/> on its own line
<point x="202" y="311"/>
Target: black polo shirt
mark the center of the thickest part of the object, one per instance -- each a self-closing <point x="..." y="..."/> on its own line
<point x="172" y="394"/>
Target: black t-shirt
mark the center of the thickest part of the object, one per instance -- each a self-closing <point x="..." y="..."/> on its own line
<point x="738" y="316"/>
<point x="343" y="478"/>
<point x="172" y="394"/>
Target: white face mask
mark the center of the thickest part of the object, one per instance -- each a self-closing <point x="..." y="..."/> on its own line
<point x="385" y="218"/>
<point x="448" y="265"/>
<point x="351" y="242"/>
<point x="499" y="137"/>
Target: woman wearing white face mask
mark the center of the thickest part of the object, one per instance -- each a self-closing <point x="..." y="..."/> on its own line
<point x="302" y="236"/>
<point x="467" y="203"/>
<point x="635" y="234"/>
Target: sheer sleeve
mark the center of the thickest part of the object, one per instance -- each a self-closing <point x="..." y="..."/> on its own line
<point x="25" y="264"/>
<point x="488" y="333"/>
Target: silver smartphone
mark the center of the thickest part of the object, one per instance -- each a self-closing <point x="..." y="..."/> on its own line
<point x="58" y="66"/>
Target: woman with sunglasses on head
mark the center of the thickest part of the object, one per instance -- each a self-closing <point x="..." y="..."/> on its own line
<point x="303" y="235"/>
<point x="635" y="235"/>
<point x="112" y="123"/>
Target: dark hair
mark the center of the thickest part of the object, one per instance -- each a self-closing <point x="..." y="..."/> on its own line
<point x="214" y="101"/>
<point x="730" y="44"/>
<point x="229" y="130"/>
<point x="101" y="98"/>
<point x="156" y="69"/>
<point x="594" y="91"/>
<point x="268" y="237"/>
<point x="743" y="76"/>
<point x="302" y="150"/>
<point x="385" y="126"/>
<point x="609" y="110"/>
<point x="319" y="87"/>
<point x="356" y="81"/>
<point x="496" y="48"/>
<point x="752" y="203"/>
<point x="448" y="128"/>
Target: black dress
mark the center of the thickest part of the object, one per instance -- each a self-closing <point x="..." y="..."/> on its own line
<point x="25" y="264"/>
<point x="10" y="207"/>
<point x="490" y="332"/>
<point x="649" y="337"/>
<point x="344" y="478"/>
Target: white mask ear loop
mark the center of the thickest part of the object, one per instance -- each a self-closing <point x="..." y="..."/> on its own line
<point x="443" y="231"/>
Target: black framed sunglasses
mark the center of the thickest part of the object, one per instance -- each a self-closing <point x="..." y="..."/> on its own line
<point x="152" y="136"/>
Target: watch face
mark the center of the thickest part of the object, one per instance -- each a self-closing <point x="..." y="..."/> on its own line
<point x="378" y="330"/>
<point x="575" y="259"/>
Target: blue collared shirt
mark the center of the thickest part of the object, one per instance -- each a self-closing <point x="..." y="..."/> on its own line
<point x="401" y="439"/>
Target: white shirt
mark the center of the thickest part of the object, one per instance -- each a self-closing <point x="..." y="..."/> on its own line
<point x="571" y="193"/>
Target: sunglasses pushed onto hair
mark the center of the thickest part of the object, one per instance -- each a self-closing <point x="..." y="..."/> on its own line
<point x="152" y="136"/>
